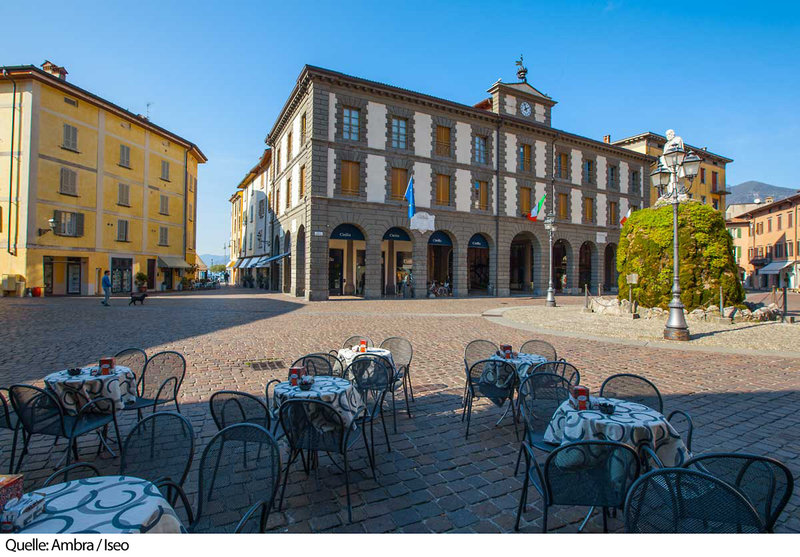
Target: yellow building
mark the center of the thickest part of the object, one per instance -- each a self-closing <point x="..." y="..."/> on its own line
<point x="235" y="243"/>
<point x="86" y="186"/>
<point x="709" y="185"/>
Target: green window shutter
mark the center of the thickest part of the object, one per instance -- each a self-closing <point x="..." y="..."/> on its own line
<point x="58" y="217"/>
<point x="78" y="224"/>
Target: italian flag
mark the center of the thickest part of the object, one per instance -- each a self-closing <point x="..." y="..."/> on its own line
<point x="538" y="209"/>
<point x="625" y="218"/>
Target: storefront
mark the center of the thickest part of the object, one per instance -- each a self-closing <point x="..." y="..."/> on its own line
<point x="172" y="267"/>
<point x="396" y="249"/>
<point x="346" y="261"/>
<point x="478" y="264"/>
<point x="121" y="275"/>
<point x="63" y="276"/>
<point x="440" y="258"/>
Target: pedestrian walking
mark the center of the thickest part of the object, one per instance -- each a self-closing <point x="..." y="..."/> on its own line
<point x="106" y="288"/>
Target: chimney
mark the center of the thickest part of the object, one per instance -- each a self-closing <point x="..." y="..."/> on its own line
<point x="769" y="199"/>
<point x="59" y="71"/>
<point x="606" y="139"/>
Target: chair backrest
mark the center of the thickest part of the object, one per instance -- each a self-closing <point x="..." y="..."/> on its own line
<point x="315" y="364"/>
<point x="312" y="425"/>
<point x="234" y="407"/>
<point x="633" y="388"/>
<point x="373" y="376"/>
<point x="590" y="473"/>
<point x="540" y="347"/>
<point x="160" y="446"/>
<point x="401" y="350"/>
<point x="680" y="501"/>
<point x="559" y="367"/>
<point x="765" y="482"/>
<point x="494" y="379"/>
<point x="540" y="395"/>
<point x="162" y="377"/>
<point x="355" y="340"/>
<point x="478" y="350"/>
<point x="134" y="358"/>
<point x="5" y="411"/>
<point x="37" y="409"/>
<point x="337" y="365"/>
<point x="239" y="467"/>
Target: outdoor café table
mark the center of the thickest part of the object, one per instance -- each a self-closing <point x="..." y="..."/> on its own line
<point x="631" y="423"/>
<point x="105" y="505"/>
<point x="339" y="393"/>
<point x="522" y="362"/>
<point x="347" y="355"/>
<point x="74" y="391"/>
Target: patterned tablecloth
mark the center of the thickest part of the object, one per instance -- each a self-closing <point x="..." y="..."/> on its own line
<point x="339" y="393"/>
<point x="347" y="355"/>
<point x="523" y="362"/>
<point x="631" y="423"/>
<point x="105" y="505"/>
<point x="74" y="391"/>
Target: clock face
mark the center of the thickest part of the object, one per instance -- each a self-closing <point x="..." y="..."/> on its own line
<point x="525" y="108"/>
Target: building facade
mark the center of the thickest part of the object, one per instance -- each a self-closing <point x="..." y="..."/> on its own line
<point x="765" y="243"/>
<point x="343" y="152"/>
<point x="87" y="187"/>
<point x="708" y="187"/>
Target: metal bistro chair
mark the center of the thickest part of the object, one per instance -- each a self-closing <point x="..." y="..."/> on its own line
<point x="541" y="348"/>
<point x="635" y="388"/>
<point x="234" y="407"/>
<point x="8" y="420"/>
<point x="402" y="353"/>
<point x="492" y="379"/>
<point x="680" y="501"/>
<point x="584" y="473"/>
<point x="160" y="382"/>
<point x="476" y="351"/>
<point x="40" y="413"/>
<point x="765" y="482"/>
<point x="315" y="364"/>
<point x="559" y="367"/>
<point x="539" y="396"/>
<point x="373" y="376"/>
<point x="313" y="425"/>
<point x="356" y="340"/>
<point x="133" y="358"/>
<point x="238" y="480"/>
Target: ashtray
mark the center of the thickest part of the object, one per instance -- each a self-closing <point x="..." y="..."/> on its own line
<point x="305" y="386"/>
<point x="606" y="408"/>
<point x="73" y="371"/>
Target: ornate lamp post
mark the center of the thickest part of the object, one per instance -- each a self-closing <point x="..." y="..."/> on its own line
<point x="550" y="226"/>
<point x="673" y="180"/>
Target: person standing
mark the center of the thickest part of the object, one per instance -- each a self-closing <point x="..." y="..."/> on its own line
<point x="106" y="288"/>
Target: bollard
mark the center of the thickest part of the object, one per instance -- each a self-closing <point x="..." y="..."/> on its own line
<point x="721" y="303"/>
<point x="586" y="296"/>
<point x="785" y="304"/>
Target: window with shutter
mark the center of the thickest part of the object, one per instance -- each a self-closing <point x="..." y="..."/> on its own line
<point x="289" y="139"/>
<point x="78" y="219"/>
<point x="288" y="193"/>
<point x="350" y="177"/>
<point x="125" y="156"/>
<point x="190" y="213"/>
<point x="164" y="205"/>
<point x="442" y="141"/>
<point x="399" y="126"/>
<point x="69" y="182"/>
<point x="399" y="183"/>
<point x="443" y="189"/>
<point x="562" y="165"/>
<point x="480" y="149"/>
<point x="303" y="129"/>
<point x="124" y="195"/>
<point x="163" y="236"/>
<point x="612" y="213"/>
<point x="588" y="209"/>
<point x="525" y="158"/>
<point x="483" y="195"/>
<point x="122" y="230"/>
<point x="563" y="205"/>
<point x="165" y="170"/>
<point x="302" y="182"/>
<point x="525" y="200"/>
<point x="70" y="138"/>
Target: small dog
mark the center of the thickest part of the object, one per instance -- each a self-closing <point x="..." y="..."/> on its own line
<point x="138" y="297"/>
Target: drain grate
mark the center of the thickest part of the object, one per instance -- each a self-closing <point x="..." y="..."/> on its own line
<point x="265" y="365"/>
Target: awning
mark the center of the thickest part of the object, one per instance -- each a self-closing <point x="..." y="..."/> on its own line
<point x="241" y="263"/>
<point x="231" y="264"/>
<point x="252" y="262"/>
<point x="172" y="262"/>
<point x="775" y="267"/>
<point x="478" y="241"/>
<point x="261" y="262"/>
<point x="440" y="238"/>
<point x="397" y="234"/>
<point x="347" y="232"/>
<point x="275" y="258"/>
<point x="201" y="265"/>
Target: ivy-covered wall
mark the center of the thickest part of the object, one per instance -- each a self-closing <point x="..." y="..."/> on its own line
<point x="705" y="251"/>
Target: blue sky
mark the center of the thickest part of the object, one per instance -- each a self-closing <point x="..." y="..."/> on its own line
<point x="723" y="74"/>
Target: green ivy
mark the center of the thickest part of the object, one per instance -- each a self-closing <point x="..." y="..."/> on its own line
<point x="705" y="251"/>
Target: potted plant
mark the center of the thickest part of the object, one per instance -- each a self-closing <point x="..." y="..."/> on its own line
<point x="141" y="281"/>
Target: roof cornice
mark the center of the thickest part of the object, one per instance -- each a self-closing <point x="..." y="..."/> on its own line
<point x="658" y="137"/>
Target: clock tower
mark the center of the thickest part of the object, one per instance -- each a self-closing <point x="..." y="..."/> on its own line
<point x="521" y="99"/>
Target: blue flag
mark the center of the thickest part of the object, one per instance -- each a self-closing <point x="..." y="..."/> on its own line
<point x="409" y="196"/>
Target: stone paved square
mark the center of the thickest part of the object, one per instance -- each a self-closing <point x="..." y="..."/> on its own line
<point x="433" y="480"/>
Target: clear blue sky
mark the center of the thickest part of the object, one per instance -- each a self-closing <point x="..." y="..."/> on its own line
<point x="722" y="74"/>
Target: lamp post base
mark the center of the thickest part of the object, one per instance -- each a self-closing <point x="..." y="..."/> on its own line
<point x="676" y="334"/>
<point x="550" y="303"/>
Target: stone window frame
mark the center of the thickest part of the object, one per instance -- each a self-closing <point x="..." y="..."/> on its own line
<point x="613" y="223"/>
<point x="488" y="133"/>
<point x="438" y="120"/>
<point x="447" y="170"/>
<point x="525" y="184"/>
<point x="558" y="151"/>
<point x="343" y="101"/>
<point x="480" y="175"/>
<point x="567" y="190"/>
<point x="612" y="163"/>
<point x="591" y="179"/>
<point x="531" y="141"/>
<point x="353" y="156"/>
<point x="408" y="115"/>
<point x="634" y="187"/>
<point x="396" y="162"/>
<point x="593" y="196"/>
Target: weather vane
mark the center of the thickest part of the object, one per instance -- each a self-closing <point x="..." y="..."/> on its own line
<point x="522" y="72"/>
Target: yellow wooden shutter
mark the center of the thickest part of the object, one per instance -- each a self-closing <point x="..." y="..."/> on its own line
<point x="525" y="201"/>
<point x="483" y="200"/>
<point x="350" y="177"/>
<point x="399" y="183"/>
<point x="442" y="189"/>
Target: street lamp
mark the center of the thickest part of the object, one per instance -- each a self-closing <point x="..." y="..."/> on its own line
<point x="673" y="179"/>
<point x="550" y="226"/>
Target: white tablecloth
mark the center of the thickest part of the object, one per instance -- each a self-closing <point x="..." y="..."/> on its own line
<point x="105" y="505"/>
<point x="74" y="391"/>
<point x="524" y="363"/>
<point x="631" y="423"/>
<point x="339" y="393"/>
<point x="347" y="355"/>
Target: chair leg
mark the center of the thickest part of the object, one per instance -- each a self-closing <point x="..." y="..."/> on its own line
<point x="405" y="393"/>
<point x="605" y="519"/>
<point x="13" y="451"/>
<point x="469" y="413"/>
<point x="22" y="454"/>
<point x="347" y="487"/>
<point x="544" y="517"/>
<point x="385" y="432"/>
<point x="410" y="386"/>
<point x="514" y="415"/>
<point x="523" y="495"/>
<point x="369" y="453"/>
<point x="292" y="458"/>
<point x="519" y="459"/>
<point x="178" y="406"/>
<point x="394" y="411"/>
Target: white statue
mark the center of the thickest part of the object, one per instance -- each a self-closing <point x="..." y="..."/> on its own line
<point x="674" y="142"/>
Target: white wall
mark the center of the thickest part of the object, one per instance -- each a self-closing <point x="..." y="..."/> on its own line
<point x="624" y="177"/>
<point x="463" y="138"/>
<point x="540" y="167"/>
<point x="575" y="201"/>
<point x="422" y="134"/>
<point x="577" y="161"/>
<point x="602" y="209"/>
<point x="601" y="172"/>
<point x="463" y="191"/>
<point x="422" y="183"/>
<point x="376" y="125"/>
<point x="512" y="195"/>
<point x="331" y="117"/>
<point x="376" y="179"/>
<point x="331" y="172"/>
<point x="540" y="113"/>
<point x="511" y="152"/>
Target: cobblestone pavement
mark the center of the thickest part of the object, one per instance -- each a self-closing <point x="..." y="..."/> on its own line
<point x="433" y="480"/>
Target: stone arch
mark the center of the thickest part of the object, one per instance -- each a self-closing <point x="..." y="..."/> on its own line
<point x="300" y="262"/>
<point x="525" y="263"/>
<point x="287" y="262"/>
<point x="347" y="245"/>
<point x="442" y="265"/>
<point x="479" y="264"/>
<point x="588" y="266"/>
<point x="610" y="267"/>
<point x="562" y="265"/>
<point x="397" y="249"/>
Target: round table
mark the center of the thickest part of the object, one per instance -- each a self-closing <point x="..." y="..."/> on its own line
<point x="347" y="355"/>
<point x="105" y="505"/>
<point x="631" y="423"/>
<point x="74" y="391"/>
<point x="339" y="393"/>
<point x="522" y="362"/>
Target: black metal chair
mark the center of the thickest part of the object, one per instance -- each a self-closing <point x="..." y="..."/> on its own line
<point x="159" y="447"/>
<point x="40" y="413"/>
<point x="234" y="407"/>
<point x="8" y="420"/>
<point x="373" y="378"/>
<point x="765" y="482"/>
<point x="337" y="366"/>
<point x="492" y="379"/>
<point x="75" y="471"/>
<point x="133" y="358"/>
<point x="315" y="364"/>
<point x="680" y="501"/>
<point x="312" y="426"/>
<point x="402" y="353"/>
<point x="635" y="388"/>
<point x="559" y="367"/>
<point x="476" y="351"/>
<point x="238" y="480"/>
<point x="584" y="473"/>
<point x="160" y="382"/>
<point x="541" y="348"/>
<point x="355" y="340"/>
<point x="539" y="396"/>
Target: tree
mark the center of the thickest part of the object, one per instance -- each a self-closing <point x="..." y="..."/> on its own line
<point x="219" y="268"/>
<point x="705" y="251"/>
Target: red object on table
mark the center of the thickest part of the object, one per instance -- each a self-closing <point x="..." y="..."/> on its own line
<point x="295" y="374"/>
<point x="107" y="365"/>
<point x="362" y="345"/>
<point x="506" y="350"/>
<point x="10" y="487"/>
<point x="579" y="397"/>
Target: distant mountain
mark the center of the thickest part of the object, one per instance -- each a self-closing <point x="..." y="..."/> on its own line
<point x="746" y="192"/>
<point x="209" y="259"/>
